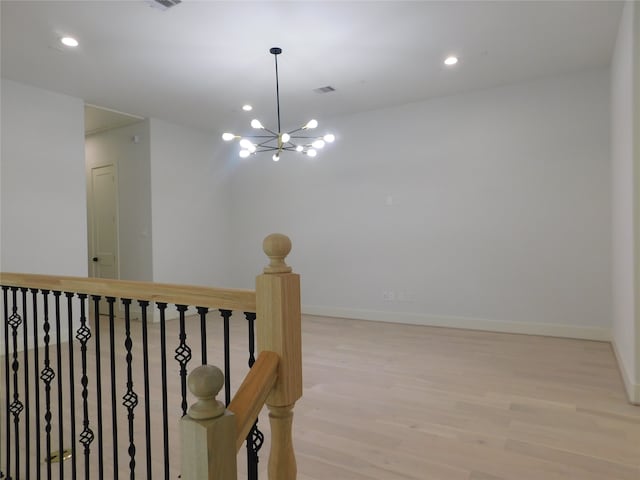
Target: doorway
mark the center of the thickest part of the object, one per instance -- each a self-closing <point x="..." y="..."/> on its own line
<point x="103" y="204"/>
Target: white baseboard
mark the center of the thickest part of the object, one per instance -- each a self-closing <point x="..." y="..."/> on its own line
<point x="632" y="388"/>
<point x="530" y="328"/>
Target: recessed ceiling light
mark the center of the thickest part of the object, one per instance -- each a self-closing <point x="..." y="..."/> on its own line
<point x="451" y="60"/>
<point x="247" y="108"/>
<point x="69" y="41"/>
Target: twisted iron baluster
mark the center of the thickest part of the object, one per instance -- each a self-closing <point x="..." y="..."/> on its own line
<point x="130" y="399"/>
<point x="96" y="317"/>
<point x="27" y="403"/>
<point x="56" y="297"/>
<point x="183" y="355"/>
<point x="83" y="335"/>
<point x="36" y="366"/>
<point x="145" y="358"/>
<point x="255" y="439"/>
<point x="47" y="375"/>
<point x="16" y="406"/>
<point x="162" y="308"/>
<point x="7" y="378"/>
<point x="114" y="400"/>
<point x="72" y="382"/>
<point x="226" y="314"/>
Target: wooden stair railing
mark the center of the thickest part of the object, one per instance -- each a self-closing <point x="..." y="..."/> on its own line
<point x="211" y="434"/>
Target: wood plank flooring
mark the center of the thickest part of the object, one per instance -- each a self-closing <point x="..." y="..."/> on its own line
<point x="387" y="402"/>
<point x="391" y="402"/>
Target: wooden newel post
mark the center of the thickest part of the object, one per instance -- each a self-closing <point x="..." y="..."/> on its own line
<point x="279" y="330"/>
<point x="208" y="430"/>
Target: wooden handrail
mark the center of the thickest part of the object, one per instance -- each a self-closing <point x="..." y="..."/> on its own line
<point x="229" y="299"/>
<point x="252" y="394"/>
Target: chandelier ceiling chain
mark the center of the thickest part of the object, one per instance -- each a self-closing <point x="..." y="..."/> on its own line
<point x="280" y="141"/>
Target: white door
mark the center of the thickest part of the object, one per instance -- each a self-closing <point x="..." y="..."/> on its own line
<point x="104" y="224"/>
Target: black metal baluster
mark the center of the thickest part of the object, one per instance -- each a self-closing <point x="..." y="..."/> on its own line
<point x="16" y="406"/>
<point x="83" y="335"/>
<point x="72" y="385"/>
<point x="7" y="441"/>
<point x="183" y="355"/>
<point x="145" y="358"/>
<point x="202" y="311"/>
<point x="255" y="437"/>
<point x="130" y="398"/>
<point x="162" y="307"/>
<point x="56" y="296"/>
<point x="27" y="403"/>
<point x="96" y="316"/>
<point x="47" y="375"/>
<point x="226" y="314"/>
<point x="7" y="379"/>
<point x="114" y="402"/>
<point x="36" y="367"/>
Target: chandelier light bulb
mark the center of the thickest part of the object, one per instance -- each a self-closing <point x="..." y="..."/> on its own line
<point x="247" y="108"/>
<point x="252" y="148"/>
<point x="299" y="148"/>
<point x="227" y="137"/>
<point x="275" y="157"/>
<point x="311" y="124"/>
<point x="244" y="153"/>
<point x="246" y="144"/>
<point x="285" y="137"/>
<point x="329" y="138"/>
<point x="255" y="123"/>
<point x="311" y="152"/>
<point x="318" y="144"/>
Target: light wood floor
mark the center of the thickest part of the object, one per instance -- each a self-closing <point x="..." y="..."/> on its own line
<point x="390" y="402"/>
<point x="384" y="401"/>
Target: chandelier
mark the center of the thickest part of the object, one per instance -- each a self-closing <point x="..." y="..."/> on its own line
<point x="297" y="140"/>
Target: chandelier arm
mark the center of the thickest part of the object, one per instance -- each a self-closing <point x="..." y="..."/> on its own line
<point x="260" y="136"/>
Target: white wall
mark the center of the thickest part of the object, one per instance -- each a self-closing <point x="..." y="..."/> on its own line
<point x="636" y="156"/>
<point x="500" y="216"/>
<point x="626" y="326"/>
<point x="190" y="207"/>
<point x="133" y="166"/>
<point x="43" y="192"/>
<point x="43" y="198"/>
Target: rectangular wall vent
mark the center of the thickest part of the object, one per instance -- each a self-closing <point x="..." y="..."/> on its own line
<point x="163" y="4"/>
<point x="326" y="89"/>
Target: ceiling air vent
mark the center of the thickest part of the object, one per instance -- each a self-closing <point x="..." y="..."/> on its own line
<point x="326" y="89"/>
<point x="163" y="4"/>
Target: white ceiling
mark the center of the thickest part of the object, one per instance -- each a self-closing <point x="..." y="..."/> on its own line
<point x="198" y="62"/>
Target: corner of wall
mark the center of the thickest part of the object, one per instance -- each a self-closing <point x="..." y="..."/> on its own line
<point x="635" y="51"/>
<point x="631" y="387"/>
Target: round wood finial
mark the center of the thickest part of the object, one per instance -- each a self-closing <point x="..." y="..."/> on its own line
<point x="277" y="246"/>
<point x="205" y="382"/>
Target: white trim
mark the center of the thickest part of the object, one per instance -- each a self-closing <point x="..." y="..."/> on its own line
<point x="530" y="328"/>
<point x="632" y="389"/>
